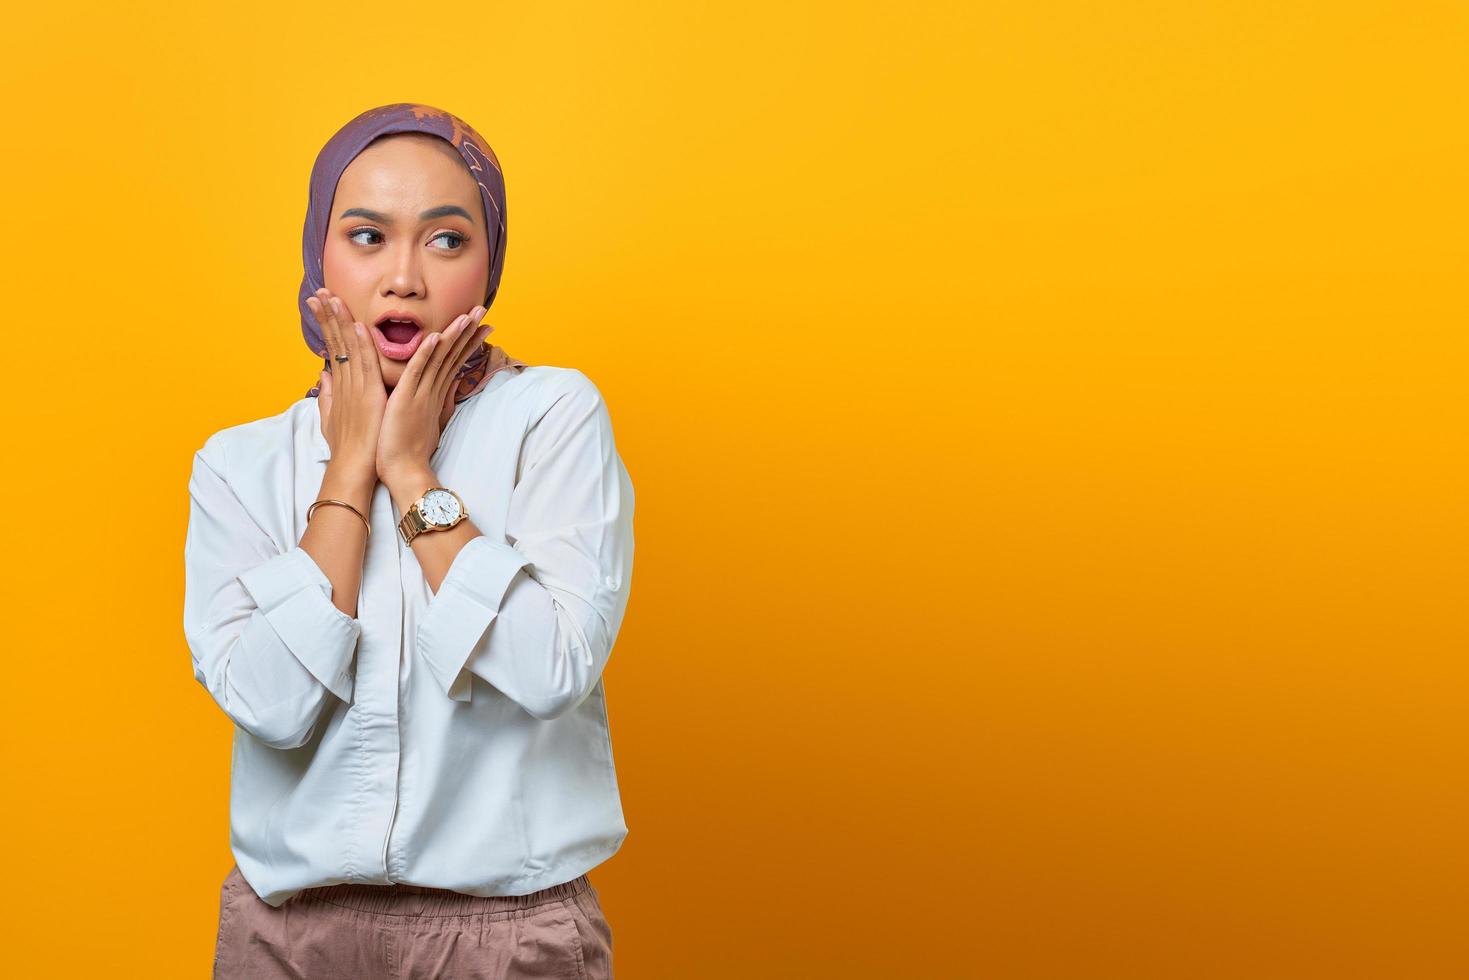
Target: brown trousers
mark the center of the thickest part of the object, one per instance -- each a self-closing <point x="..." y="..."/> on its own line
<point x="408" y="932"/>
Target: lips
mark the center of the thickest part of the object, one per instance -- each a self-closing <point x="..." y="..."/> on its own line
<point x="397" y="340"/>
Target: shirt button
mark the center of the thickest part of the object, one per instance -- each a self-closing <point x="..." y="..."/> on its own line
<point x="610" y="582"/>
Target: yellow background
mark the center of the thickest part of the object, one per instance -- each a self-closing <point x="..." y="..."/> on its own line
<point x="1046" y="417"/>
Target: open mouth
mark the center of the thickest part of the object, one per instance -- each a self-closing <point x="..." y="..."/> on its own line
<point x="397" y="339"/>
<point x="398" y="331"/>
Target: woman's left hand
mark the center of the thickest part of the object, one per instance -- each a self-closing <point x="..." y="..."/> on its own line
<point x="420" y="405"/>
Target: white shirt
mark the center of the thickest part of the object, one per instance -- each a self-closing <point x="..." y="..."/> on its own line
<point x="456" y="739"/>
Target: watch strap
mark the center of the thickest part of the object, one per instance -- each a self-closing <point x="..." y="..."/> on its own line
<point x="412" y="524"/>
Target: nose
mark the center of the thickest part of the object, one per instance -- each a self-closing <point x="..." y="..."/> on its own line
<point x="405" y="272"/>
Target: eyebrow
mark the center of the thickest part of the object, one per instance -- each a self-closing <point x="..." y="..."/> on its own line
<point x="442" y="211"/>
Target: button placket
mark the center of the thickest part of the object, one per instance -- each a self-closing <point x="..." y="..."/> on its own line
<point x="383" y="622"/>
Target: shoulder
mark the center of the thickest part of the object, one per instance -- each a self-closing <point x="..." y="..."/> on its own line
<point x="548" y="394"/>
<point x="543" y="385"/>
<point x="253" y="443"/>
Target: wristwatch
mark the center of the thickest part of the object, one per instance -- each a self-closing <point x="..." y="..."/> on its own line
<point x="437" y="510"/>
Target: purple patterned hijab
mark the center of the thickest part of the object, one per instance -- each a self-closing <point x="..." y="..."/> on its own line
<point x="342" y="149"/>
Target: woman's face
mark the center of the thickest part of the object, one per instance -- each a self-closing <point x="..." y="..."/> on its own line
<point x="406" y="236"/>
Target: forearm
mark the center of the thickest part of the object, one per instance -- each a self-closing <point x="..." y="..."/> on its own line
<point x="336" y="538"/>
<point x="267" y="642"/>
<point x="435" y="550"/>
<point x="535" y="618"/>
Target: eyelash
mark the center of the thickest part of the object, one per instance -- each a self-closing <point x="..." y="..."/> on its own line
<point x="453" y="234"/>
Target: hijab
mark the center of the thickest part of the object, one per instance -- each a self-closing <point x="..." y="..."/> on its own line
<point x="484" y="167"/>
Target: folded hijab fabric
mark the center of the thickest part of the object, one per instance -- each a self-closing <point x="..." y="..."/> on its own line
<point x="342" y="149"/>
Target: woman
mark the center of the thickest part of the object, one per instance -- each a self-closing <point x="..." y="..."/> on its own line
<point x="403" y="590"/>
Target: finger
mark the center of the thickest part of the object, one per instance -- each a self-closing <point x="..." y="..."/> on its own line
<point x="354" y="337"/>
<point x="324" y="399"/>
<point x="313" y="303"/>
<point x="352" y="367"/>
<point x="359" y="361"/>
<point x="449" y="371"/>
<point x="448" y="377"/>
<point x="465" y="345"/>
<point x="344" y="315"/>
<point x="446" y="407"/>
<point x="450" y="342"/>
<point x="328" y="324"/>
<point x="330" y="327"/>
<point x="334" y="316"/>
<point x="413" y="373"/>
<point x="479" y="339"/>
<point x="372" y="369"/>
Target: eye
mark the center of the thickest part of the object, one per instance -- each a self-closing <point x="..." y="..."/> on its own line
<point x="458" y="239"/>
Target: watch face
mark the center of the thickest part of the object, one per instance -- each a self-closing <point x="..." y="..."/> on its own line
<point x="439" y="507"/>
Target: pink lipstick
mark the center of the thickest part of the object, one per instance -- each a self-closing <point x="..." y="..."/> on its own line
<point x="398" y="335"/>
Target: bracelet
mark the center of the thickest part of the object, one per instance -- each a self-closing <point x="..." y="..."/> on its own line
<point x="312" y="509"/>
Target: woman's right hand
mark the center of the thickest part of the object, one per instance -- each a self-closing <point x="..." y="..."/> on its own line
<point x="351" y="397"/>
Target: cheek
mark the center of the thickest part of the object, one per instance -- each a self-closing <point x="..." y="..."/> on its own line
<point x="345" y="274"/>
<point x="462" y="287"/>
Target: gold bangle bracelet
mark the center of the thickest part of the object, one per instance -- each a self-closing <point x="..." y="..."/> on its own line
<point x="312" y="509"/>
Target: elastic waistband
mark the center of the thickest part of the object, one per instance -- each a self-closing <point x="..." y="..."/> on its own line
<point x="420" y="900"/>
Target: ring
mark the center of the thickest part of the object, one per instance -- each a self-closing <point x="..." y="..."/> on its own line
<point x="341" y="357"/>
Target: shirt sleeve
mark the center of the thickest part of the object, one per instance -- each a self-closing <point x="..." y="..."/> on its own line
<point x="265" y="638"/>
<point x="536" y="615"/>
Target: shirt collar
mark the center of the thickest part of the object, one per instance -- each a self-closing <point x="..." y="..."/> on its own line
<point x="323" y="451"/>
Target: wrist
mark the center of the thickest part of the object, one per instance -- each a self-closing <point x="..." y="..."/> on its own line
<point x="406" y="486"/>
<point x="345" y="480"/>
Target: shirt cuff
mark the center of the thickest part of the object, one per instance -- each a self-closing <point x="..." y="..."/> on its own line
<point x="467" y="602"/>
<point x="295" y="596"/>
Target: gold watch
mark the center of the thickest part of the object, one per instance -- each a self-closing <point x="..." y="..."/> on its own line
<point x="437" y="510"/>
